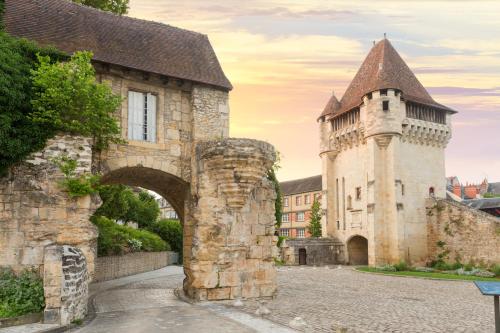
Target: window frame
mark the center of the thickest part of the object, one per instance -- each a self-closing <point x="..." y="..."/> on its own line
<point x="148" y="114"/>
<point x="300" y="214"/>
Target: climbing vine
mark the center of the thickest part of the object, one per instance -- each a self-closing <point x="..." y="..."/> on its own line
<point x="76" y="185"/>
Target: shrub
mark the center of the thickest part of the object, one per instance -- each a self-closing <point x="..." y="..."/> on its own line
<point x="401" y="266"/>
<point x="171" y="232"/>
<point x="117" y="239"/>
<point x="386" y="268"/>
<point x="21" y="294"/>
<point x="495" y="269"/>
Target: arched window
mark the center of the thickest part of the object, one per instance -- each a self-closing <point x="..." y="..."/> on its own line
<point x="431" y="191"/>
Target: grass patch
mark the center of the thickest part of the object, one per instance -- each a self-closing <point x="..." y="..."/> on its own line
<point x="434" y="275"/>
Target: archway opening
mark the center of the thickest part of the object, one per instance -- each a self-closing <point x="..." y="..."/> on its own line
<point x="302" y="257"/>
<point x="357" y="248"/>
<point x="153" y="202"/>
<point x="173" y="189"/>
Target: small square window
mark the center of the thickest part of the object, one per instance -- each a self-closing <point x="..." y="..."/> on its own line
<point x="383" y="92"/>
<point x="385" y="105"/>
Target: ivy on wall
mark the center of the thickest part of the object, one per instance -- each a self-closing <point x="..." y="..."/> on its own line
<point x="40" y="95"/>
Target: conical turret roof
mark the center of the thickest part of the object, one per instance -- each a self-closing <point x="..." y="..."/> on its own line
<point x="384" y="68"/>
<point x="332" y="107"/>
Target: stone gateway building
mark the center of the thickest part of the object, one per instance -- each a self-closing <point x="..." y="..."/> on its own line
<point x="175" y="117"/>
<point x="382" y="151"/>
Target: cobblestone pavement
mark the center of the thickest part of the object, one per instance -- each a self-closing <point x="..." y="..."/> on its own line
<point x="146" y="303"/>
<point x="329" y="299"/>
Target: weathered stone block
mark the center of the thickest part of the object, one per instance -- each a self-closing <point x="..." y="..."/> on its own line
<point x="218" y="294"/>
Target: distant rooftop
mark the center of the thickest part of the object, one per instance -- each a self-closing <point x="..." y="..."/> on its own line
<point x="310" y="184"/>
<point x="383" y="68"/>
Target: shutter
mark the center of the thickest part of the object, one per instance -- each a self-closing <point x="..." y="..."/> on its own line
<point x="135" y="115"/>
<point x="151" y="118"/>
<point x="131" y="105"/>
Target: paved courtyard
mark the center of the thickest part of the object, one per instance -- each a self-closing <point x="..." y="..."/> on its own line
<point x="146" y="303"/>
<point x="328" y="299"/>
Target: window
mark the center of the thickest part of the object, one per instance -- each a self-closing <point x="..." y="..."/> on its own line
<point x="338" y="225"/>
<point x="297" y="201"/>
<point x="317" y="196"/>
<point x="300" y="217"/>
<point x="301" y="233"/>
<point x="285" y="201"/>
<point x="385" y="105"/>
<point x="307" y="199"/>
<point x="369" y="95"/>
<point x="431" y="191"/>
<point x="402" y="189"/>
<point x="284" y="232"/>
<point x="349" y="202"/>
<point x="383" y="92"/>
<point x="284" y="218"/>
<point x="358" y="193"/>
<point x="141" y="116"/>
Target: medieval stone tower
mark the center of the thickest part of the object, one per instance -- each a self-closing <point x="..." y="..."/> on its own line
<point x="382" y="151"/>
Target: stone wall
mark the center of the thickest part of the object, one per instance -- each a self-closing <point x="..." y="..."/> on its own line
<point x="113" y="267"/>
<point x="468" y="234"/>
<point x="35" y="212"/>
<point x="229" y="241"/>
<point x="319" y="251"/>
<point x="210" y="113"/>
<point x="65" y="279"/>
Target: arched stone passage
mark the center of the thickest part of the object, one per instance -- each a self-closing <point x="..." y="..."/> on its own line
<point x="357" y="248"/>
<point x="172" y="188"/>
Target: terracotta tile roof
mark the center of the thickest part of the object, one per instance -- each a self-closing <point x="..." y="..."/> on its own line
<point x="120" y="40"/>
<point x="331" y="107"/>
<point x="304" y="185"/>
<point x="384" y="68"/>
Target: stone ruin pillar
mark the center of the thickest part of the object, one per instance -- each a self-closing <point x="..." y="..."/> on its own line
<point x="229" y="241"/>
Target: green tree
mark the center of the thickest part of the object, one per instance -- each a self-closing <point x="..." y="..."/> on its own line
<point x="119" y="7"/>
<point x="68" y="99"/>
<point x="119" y="202"/>
<point x="315" y="224"/>
<point x="19" y="136"/>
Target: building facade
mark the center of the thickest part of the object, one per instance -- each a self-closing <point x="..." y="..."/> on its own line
<point x="382" y="151"/>
<point x="166" y="210"/>
<point x="298" y="197"/>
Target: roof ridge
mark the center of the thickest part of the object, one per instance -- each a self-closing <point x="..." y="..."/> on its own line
<point x="70" y="2"/>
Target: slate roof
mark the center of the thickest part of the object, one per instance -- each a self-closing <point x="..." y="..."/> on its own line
<point x="484" y="203"/>
<point x="384" y="68"/>
<point x="138" y="44"/>
<point x="310" y="184"/>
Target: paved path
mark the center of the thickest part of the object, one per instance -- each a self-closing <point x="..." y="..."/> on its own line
<point x="328" y="299"/>
<point x="146" y="303"/>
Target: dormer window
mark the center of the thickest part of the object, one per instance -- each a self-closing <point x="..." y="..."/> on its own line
<point x="369" y="95"/>
<point x="383" y="92"/>
<point x="385" y="105"/>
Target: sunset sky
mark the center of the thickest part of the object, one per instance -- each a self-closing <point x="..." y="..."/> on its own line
<point x="284" y="58"/>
